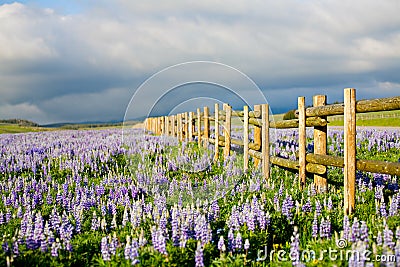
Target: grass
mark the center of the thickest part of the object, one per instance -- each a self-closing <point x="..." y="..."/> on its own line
<point x="379" y="119"/>
<point x="15" y="128"/>
<point x="385" y="122"/>
<point x="10" y="128"/>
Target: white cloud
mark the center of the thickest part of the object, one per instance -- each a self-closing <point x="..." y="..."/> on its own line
<point x="22" y="111"/>
<point x="20" y="36"/>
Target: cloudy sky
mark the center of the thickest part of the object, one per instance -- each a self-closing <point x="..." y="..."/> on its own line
<point x="83" y="60"/>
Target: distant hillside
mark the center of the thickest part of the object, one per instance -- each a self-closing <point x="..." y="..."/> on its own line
<point x="20" y="122"/>
<point x="85" y="125"/>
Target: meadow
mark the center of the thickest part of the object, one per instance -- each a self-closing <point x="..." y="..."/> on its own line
<point x="91" y="198"/>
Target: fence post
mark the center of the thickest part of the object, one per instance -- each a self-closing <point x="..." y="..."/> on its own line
<point x="166" y="125"/>
<point x="320" y="137"/>
<point x="198" y="127"/>
<point x="161" y="127"/>
<point x="190" y="130"/>
<point x="302" y="140"/>
<point x="265" y="140"/>
<point x="206" y="126"/>
<point x="170" y="125"/>
<point x="179" y="126"/>
<point x="186" y="126"/>
<point x="257" y="135"/>
<point x="349" y="149"/>
<point x="227" y="132"/>
<point x="158" y="125"/>
<point x="245" y="138"/>
<point x="173" y="126"/>
<point x="216" y="126"/>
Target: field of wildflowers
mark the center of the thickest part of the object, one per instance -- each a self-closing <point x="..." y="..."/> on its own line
<point x="89" y="198"/>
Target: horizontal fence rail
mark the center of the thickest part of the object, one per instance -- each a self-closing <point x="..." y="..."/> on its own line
<point x="190" y="125"/>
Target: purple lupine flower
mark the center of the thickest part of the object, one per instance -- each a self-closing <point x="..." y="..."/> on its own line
<point x="95" y="222"/>
<point x="281" y="188"/>
<point x="398" y="233"/>
<point x="175" y="227"/>
<point x="382" y="209"/>
<point x="221" y="244"/>
<point x="215" y="208"/>
<point x="142" y="239"/>
<point x="379" y="192"/>
<point x="379" y="239"/>
<point x="238" y="242"/>
<point x="112" y="208"/>
<point x="397" y="251"/>
<point x="158" y="240"/>
<point x="295" y="248"/>
<point x="8" y="215"/>
<point x="307" y="206"/>
<point x="393" y="207"/>
<point x="105" y="252"/>
<point x="134" y="254"/>
<point x="318" y="208"/>
<point x="250" y="221"/>
<point x="231" y="238"/>
<point x="163" y="222"/>
<point x="312" y="191"/>
<point x="234" y="219"/>
<point x="199" y="256"/>
<point x="325" y="228"/>
<point x="388" y="238"/>
<point x="67" y="245"/>
<point x="19" y="212"/>
<point x="49" y="198"/>
<point x="287" y="207"/>
<point x="114" y="222"/>
<point x="246" y="244"/>
<point x="261" y="219"/>
<point x="38" y="230"/>
<point x="113" y="244"/>
<point x="6" y="247"/>
<point x="55" y="220"/>
<point x="47" y="232"/>
<point x="315" y="227"/>
<point x="346" y="228"/>
<point x="183" y="239"/>
<point x="103" y="210"/>
<point x="78" y="224"/>
<point x="43" y="243"/>
<point x="364" y="236"/>
<point x="357" y="258"/>
<point x="329" y="205"/>
<point x="276" y="202"/>
<point x="125" y="216"/>
<point x="15" y="248"/>
<point x="127" y="249"/>
<point x="355" y="230"/>
<point x="55" y="247"/>
<point x="30" y="238"/>
<point x="268" y="218"/>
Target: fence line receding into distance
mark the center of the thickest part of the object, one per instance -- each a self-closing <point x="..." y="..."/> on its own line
<point x="186" y="126"/>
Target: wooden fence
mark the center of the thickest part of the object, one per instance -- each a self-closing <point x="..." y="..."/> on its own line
<point x="186" y="126"/>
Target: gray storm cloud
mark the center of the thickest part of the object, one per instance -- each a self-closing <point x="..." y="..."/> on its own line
<point x="86" y="65"/>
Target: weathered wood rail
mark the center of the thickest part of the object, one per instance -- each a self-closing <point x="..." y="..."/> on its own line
<point x="186" y="126"/>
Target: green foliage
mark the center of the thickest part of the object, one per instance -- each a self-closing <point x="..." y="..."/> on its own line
<point x="290" y="115"/>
